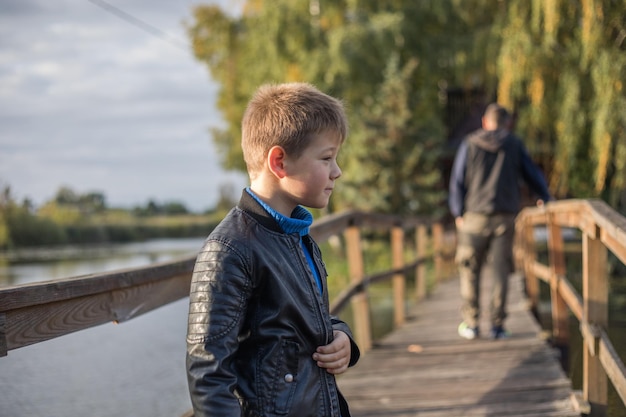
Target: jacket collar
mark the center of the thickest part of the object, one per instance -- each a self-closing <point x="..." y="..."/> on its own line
<point x="299" y="221"/>
<point x="248" y="204"/>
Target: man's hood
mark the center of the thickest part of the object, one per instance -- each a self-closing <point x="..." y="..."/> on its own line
<point x="490" y="140"/>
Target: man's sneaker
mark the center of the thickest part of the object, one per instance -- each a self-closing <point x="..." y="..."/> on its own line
<point x="499" y="332"/>
<point x="467" y="332"/>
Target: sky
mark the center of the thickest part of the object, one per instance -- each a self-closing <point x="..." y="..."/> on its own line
<point x="106" y="96"/>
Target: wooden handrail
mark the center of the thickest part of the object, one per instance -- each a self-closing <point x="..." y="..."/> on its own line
<point x="602" y="229"/>
<point x="33" y="313"/>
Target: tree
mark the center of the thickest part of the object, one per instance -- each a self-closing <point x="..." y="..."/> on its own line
<point x="558" y="64"/>
<point x="69" y="207"/>
<point x="365" y="52"/>
<point x="61" y="214"/>
<point x="66" y="196"/>
<point x="227" y="197"/>
<point x="20" y="227"/>
<point x="388" y="127"/>
<point x="562" y="66"/>
<point x="171" y="208"/>
<point x="92" y="202"/>
<point x="6" y="202"/>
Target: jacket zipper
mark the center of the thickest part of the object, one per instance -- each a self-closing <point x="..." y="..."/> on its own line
<point x="326" y="391"/>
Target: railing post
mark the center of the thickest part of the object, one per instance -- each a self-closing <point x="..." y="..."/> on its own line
<point x="595" y="314"/>
<point x="437" y="229"/>
<point x="397" y="249"/>
<point x="560" y="313"/>
<point x="421" y="244"/>
<point x="360" y="304"/>
<point x="527" y="259"/>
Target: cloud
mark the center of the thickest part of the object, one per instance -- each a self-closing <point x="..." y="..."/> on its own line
<point x="93" y="102"/>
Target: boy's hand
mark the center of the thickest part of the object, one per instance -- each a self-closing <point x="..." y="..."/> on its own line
<point x="334" y="357"/>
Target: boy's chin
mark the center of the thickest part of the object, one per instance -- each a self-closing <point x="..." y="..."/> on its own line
<point x="317" y="204"/>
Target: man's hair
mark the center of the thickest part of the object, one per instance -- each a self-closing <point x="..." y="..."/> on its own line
<point x="497" y="114"/>
<point x="287" y="115"/>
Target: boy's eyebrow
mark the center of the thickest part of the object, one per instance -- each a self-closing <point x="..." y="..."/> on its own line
<point x="330" y="149"/>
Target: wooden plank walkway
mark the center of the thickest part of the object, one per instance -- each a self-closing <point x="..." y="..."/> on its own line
<point x="425" y="369"/>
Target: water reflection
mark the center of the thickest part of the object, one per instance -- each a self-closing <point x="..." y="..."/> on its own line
<point x="44" y="265"/>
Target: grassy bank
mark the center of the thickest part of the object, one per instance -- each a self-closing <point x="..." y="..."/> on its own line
<point x="24" y="230"/>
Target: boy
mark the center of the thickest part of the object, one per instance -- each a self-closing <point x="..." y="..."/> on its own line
<point x="261" y="341"/>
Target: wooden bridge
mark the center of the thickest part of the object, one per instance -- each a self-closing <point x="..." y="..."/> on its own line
<point x="422" y="367"/>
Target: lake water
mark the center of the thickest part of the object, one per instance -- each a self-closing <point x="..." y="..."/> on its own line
<point x="47" y="264"/>
<point x="136" y="368"/>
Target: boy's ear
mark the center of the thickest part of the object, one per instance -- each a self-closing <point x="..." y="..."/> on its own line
<point x="276" y="161"/>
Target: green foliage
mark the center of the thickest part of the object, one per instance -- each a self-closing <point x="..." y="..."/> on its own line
<point x="26" y="229"/>
<point x="227" y="200"/>
<point x="386" y="59"/>
<point x="562" y="66"/>
<point x="20" y="227"/>
<point x="90" y="202"/>
<point x="71" y="218"/>
<point x="153" y="208"/>
<point x="559" y="64"/>
<point x="61" y="213"/>
<point x="5" y="238"/>
<point x="390" y="128"/>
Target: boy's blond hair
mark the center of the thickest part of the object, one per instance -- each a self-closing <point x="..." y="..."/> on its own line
<point x="287" y="115"/>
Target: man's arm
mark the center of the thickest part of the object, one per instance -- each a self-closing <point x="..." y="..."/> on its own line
<point x="534" y="177"/>
<point x="457" y="189"/>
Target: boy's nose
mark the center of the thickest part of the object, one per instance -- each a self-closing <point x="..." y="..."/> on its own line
<point x="336" y="172"/>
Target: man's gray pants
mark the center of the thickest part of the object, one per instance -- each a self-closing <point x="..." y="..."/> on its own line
<point x="481" y="235"/>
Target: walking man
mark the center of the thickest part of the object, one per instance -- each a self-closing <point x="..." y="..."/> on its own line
<point x="484" y="199"/>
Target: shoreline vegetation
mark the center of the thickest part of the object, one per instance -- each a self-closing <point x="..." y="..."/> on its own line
<point x="72" y="223"/>
<point x="98" y="238"/>
<point x="99" y="249"/>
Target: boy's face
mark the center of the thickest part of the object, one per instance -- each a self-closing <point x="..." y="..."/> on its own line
<point x="311" y="177"/>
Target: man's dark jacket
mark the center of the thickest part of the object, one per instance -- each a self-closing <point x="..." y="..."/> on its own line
<point x="487" y="171"/>
<point x="256" y="316"/>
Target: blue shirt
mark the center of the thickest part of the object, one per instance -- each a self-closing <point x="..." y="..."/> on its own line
<point x="299" y="222"/>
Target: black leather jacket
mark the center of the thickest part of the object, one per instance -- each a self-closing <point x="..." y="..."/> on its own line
<point x="256" y="317"/>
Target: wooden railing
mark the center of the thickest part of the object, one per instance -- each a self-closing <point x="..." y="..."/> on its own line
<point x="602" y="230"/>
<point x="37" y="312"/>
<point x="428" y="244"/>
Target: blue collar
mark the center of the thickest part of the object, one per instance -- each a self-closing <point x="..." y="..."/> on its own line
<point x="299" y="221"/>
